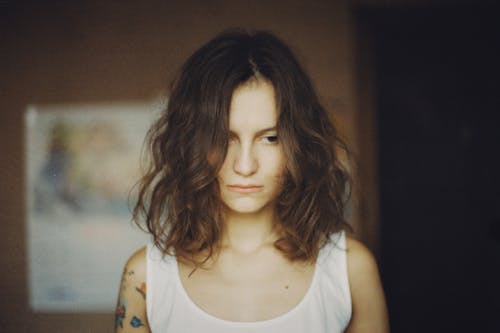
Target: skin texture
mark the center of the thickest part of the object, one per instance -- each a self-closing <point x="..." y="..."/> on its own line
<point x="251" y="280"/>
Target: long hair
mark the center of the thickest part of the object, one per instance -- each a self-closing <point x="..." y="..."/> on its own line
<point x="179" y="201"/>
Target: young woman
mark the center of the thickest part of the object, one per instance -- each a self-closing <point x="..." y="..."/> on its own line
<point x="244" y="199"/>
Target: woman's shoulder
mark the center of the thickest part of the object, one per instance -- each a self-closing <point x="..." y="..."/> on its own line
<point x="138" y="258"/>
<point x="361" y="263"/>
<point x="359" y="258"/>
<point x="136" y="263"/>
<point x="368" y="301"/>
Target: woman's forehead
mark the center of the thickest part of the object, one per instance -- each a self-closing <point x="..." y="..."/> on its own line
<point x="253" y="106"/>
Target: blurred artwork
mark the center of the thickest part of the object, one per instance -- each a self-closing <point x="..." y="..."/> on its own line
<point x="82" y="162"/>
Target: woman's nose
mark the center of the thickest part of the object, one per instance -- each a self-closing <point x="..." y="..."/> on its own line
<point x="245" y="162"/>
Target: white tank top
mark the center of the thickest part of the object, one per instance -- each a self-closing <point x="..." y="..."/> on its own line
<point x="326" y="306"/>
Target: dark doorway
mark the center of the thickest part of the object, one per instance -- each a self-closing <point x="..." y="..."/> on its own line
<point x="437" y="83"/>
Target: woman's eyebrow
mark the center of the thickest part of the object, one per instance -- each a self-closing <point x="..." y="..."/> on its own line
<point x="259" y="132"/>
<point x="265" y="130"/>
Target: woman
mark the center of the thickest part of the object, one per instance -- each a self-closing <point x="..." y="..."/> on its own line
<point x="244" y="199"/>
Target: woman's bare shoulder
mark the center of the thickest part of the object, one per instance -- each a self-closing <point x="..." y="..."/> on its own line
<point x="368" y="300"/>
<point x="137" y="262"/>
<point x="359" y="258"/>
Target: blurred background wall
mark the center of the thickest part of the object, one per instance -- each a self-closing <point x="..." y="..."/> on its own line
<point x="365" y="57"/>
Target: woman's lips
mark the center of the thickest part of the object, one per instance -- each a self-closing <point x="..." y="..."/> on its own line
<point x="245" y="188"/>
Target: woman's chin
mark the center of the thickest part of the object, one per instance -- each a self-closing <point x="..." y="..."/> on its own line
<point x="245" y="208"/>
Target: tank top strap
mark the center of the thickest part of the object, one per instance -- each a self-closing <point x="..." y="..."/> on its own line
<point x="334" y="279"/>
<point x="335" y="246"/>
<point x="161" y="286"/>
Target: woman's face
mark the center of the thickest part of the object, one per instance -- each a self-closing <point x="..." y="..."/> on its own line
<point x="251" y="176"/>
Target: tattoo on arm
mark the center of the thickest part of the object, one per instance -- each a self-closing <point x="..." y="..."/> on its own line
<point x="121" y="308"/>
<point x="142" y="290"/>
<point x="126" y="273"/>
<point x="136" y="322"/>
<point x="120" y="314"/>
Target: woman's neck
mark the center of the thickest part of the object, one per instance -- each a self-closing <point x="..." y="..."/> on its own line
<point x="249" y="232"/>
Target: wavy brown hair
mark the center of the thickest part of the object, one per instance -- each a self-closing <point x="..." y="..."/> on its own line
<point x="179" y="200"/>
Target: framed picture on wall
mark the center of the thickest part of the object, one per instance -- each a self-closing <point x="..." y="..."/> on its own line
<point x="82" y="162"/>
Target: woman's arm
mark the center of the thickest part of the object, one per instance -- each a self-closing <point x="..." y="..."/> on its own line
<point x="130" y="314"/>
<point x="369" y="311"/>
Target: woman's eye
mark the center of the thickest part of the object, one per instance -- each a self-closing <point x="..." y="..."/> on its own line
<point x="271" y="139"/>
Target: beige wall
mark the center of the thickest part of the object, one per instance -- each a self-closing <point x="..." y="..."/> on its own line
<point x="115" y="51"/>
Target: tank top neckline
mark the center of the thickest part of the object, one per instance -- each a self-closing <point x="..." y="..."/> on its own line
<point x="257" y="323"/>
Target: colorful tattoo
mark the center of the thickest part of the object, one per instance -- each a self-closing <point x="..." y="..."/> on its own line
<point x="136" y="322"/>
<point x="120" y="312"/>
<point x="124" y="279"/>
<point x="119" y="315"/>
<point x="142" y="290"/>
